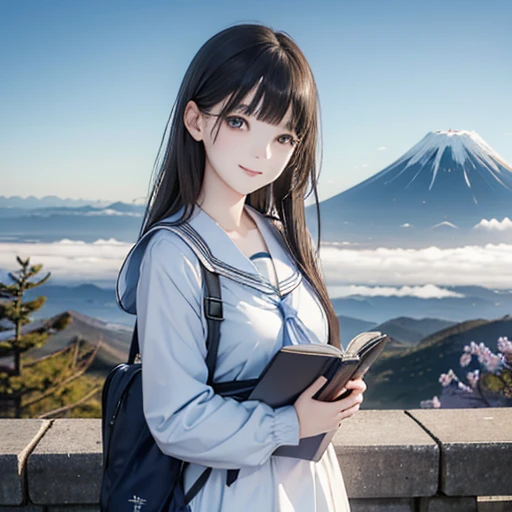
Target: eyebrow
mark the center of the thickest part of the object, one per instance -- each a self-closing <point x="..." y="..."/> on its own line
<point x="245" y="109"/>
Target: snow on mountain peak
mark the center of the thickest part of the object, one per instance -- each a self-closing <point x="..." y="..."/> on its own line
<point x="463" y="144"/>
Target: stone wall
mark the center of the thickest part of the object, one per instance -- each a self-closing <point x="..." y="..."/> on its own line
<point x="418" y="460"/>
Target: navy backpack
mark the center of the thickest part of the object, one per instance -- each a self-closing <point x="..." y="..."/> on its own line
<point x="137" y="475"/>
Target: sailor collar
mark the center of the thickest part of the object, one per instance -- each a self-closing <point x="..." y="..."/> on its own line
<point x="217" y="252"/>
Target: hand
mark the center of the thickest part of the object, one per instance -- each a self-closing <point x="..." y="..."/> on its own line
<point x="352" y="388"/>
<point x="316" y="417"/>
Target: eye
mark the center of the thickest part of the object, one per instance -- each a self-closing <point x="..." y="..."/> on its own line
<point x="235" y="119"/>
<point x="291" y="140"/>
<point x="237" y="122"/>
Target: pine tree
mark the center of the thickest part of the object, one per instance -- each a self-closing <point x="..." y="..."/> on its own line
<point x="17" y="311"/>
<point x="50" y="380"/>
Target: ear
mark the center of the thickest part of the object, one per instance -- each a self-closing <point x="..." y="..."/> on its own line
<point x="193" y="120"/>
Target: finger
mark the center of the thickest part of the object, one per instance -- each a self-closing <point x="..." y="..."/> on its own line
<point x="350" y="401"/>
<point x="356" y="384"/>
<point x="341" y="391"/>
<point x="347" y="412"/>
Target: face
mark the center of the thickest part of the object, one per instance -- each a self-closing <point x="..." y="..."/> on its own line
<point x="247" y="154"/>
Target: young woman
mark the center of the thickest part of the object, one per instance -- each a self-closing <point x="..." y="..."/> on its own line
<point x="239" y="161"/>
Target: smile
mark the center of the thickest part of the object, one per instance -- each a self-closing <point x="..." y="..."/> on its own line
<point x="249" y="172"/>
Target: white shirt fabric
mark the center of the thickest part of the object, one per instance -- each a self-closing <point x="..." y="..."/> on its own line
<point x="266" y="303"/>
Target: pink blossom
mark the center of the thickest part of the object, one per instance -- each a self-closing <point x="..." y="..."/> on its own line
<point x="430" y="404"/>
<point x="473" y="378"/>
<point x="465" y="359"/>
<point x="465" y="387"/>
<point x="505" y="346"/>
<point x="492" y="362"/>
<point x="446" y="378"/>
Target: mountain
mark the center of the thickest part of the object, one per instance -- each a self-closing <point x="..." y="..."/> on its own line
<point x="356" y="313"/>
<point x="409" y="331"/>
<point x="126" y="208"/>
<point x="401" y="380"/>
<point x="73" y="225"/>
<point x="86" y="223"/>
<point x="404" y="332"/>
<point x="118" y="208"/>
<point x="115" y="340"/>
<point x="442" y="188"/>
<point x="32" y="202"/>
<point x="397" y="380"/>
<point x="475" y="301"/>
<point x="351" y="327"/>
<point x="87" y="299"/>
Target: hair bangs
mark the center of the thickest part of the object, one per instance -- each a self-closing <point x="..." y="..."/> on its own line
<point x="278" y="84"/>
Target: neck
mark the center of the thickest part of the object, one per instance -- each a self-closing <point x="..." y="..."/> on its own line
<point x="222" y="203"/>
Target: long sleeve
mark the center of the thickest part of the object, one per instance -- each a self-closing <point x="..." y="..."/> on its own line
<point x="187" y="419"/>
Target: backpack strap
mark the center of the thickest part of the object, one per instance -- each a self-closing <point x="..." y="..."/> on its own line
<point x="214" y="315"/>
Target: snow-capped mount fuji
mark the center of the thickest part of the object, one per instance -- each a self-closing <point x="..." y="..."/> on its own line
<point x="449" y="180"/>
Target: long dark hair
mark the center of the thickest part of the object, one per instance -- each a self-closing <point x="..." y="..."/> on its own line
<point x="230" y="64"/>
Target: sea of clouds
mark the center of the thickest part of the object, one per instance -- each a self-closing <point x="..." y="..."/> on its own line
<point x="401" y="272"/>
<point x="489" y="265"/>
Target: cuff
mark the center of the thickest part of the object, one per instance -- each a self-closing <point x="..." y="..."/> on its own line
<point x="286" y="426"/>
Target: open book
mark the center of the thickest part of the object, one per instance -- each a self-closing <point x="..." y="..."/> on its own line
<point x="296" y="367"/>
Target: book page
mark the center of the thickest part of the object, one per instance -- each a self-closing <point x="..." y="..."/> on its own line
<point x="357" y="343"/>
<point x="314" y="348"/>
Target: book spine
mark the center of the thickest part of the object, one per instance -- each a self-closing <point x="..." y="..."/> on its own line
<point x="329" y="371"/>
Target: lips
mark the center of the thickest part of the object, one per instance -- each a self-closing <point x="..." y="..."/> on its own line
<point x="250" y="172"/>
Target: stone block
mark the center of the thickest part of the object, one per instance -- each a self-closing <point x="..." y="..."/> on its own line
<point x="66" y="466"/>
<point x="476" y="448"/>
<point x="494" y="503"/>
<point x="382" y="505"/>
<point x="441" y="503"/>
<point x="386" y="454"/>
<point x="23" y="508"/>
<point x="73" y="508"/>
<point x="18" y="437"/>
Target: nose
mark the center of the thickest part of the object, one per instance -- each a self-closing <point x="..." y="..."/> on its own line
<point x="262" y="150"/>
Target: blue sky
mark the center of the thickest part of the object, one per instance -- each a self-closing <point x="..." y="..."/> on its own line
<point x="87" y="86"/>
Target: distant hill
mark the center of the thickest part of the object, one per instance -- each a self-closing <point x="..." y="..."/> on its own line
<point x="397" y="380"/>
<point x="88" y="299"/>
<point x="125" y="207"/>
<point x="31" y="202"/>
<point x="409" y="331"/>
<point x="115" y="341"/>
<point x="402" y="380"/>
<point x="351" y="327"/>
<point x="86" y="210"/>
<point x="476" y="302"/>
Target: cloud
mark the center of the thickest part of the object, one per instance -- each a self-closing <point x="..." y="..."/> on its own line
<point x="445" y="224"/>
<point x="113" y="213"/>
<point x="69" y="260"/>
<point x="428" y="291"/>
<point x="494" y="225"/>
<point x="94" y="213"/>
<point x="419" y="272"/>
<point x="487" y="266"/>
<point x="382" y="148"/>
